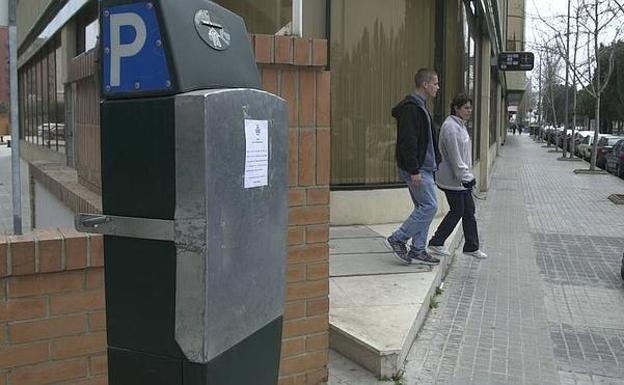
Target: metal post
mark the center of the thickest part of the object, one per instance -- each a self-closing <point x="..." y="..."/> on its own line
<point x="539" y="104"/>
<point x="297" y="16"/>
<point x="15" y="144"/>
<point x="567" y="85"/>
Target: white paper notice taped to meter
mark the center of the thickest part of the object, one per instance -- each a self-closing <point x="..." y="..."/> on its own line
<point x="257" y="153"/>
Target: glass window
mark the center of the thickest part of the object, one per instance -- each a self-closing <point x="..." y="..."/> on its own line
<point x="39" y="101"/>
<point x="453" y="80"/>
<point x="471" y="65"/>
<point x="494" y="98"/>
<point x="87" y="28"/>
<point x="22" y="111"/>
<point x="41" y="95"/>
<point x="376" y="47"/>
<point x="261" y="16"/>
<point x="91" y="33"/>
<point x="51" y="84"/>
<point x="45" y="118"/>
<point x="315" y="18"/>
<point x="60" y="99"/>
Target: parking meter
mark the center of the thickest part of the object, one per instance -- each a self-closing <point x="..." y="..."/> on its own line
<point x="194" y="197"/>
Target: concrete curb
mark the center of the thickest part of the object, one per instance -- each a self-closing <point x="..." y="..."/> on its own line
<point x="456" y="239"/>
<point x="386" y="364"/>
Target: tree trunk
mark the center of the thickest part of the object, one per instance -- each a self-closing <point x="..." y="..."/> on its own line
<point x="554" y="111"/>
<point x="566" y="123"/>
<point x="592" y="164"/>
<point x="594" y="154"/>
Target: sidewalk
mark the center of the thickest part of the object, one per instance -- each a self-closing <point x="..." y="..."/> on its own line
<point x="547" y="307"/>
<point x="6" y="199"/>
<point x="378" y="304"/>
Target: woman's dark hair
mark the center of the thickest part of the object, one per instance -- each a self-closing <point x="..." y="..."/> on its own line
<point x="459" y="101"/>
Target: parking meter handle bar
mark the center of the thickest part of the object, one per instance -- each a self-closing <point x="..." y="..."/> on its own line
<point x="130" y="227"/>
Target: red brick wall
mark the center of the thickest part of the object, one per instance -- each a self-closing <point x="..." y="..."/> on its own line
<point x="81" y="72"/>
<point x="295" y="69"/>
<point x="52" y="320"/>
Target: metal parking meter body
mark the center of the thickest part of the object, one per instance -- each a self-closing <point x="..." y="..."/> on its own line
<point x="194" y="194"/>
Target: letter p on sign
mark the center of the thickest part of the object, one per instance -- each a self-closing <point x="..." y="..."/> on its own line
<point x="121" y="50"/>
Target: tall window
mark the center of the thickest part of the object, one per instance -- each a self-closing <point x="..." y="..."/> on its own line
<point x="494" y="99"/>
<point x="471" y="66"/>
<point x="376" y="46"/>
<point x="261" y="16"/>
<point x="42" y="109"/>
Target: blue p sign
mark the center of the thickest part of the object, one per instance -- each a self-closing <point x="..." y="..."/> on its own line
<point x="133" y="52"/>
<point x="119" y="50"/>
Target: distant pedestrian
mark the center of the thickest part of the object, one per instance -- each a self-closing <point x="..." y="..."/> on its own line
<point x="417" y="159"/>
<point x="514" y="127"/>
<point x="519" y="129"/>
<point x="455" y="178"/>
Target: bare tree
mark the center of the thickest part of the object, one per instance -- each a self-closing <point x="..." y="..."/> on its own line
<point x="594" y="20"/>
<point x="598" y="20"/>
<point x="573" y="65"/>
<point x="548" y="77"/>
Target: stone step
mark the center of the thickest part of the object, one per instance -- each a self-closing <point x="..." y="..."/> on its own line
<point x="377" y="304"/>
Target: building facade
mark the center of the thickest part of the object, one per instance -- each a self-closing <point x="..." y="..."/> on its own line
<point x="340" y="64"/>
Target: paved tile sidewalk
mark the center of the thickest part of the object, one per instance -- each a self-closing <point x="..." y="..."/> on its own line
<point x="548" y="306"/>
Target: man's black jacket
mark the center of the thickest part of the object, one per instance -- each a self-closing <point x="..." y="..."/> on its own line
<point x="413" y="134"/>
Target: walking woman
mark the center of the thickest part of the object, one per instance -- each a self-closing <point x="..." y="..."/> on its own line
<point x="455" y="178"/>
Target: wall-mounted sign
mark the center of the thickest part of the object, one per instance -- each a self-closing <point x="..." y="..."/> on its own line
<point x="515" y="61"/>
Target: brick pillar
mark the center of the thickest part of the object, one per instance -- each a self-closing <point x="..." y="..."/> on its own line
<point x="52" y="321"/>
<point x="294" y="69"/>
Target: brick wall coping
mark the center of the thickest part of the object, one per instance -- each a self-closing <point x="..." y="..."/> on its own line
<point x="62" y="182"/>
<point x="268" y="49"/>
<point x="289" y="50"/>
<point x="49" y="251"/>
<point x="81" y="66"/>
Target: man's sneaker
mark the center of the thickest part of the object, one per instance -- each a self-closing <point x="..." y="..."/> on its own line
<point x="439" y="250"/>
<point x="424" y="258"/>
<point x="400" y="250"/>
<point x="477" y="254"/>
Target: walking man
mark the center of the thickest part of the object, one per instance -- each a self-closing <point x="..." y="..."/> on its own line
<point x="417" y="158"/>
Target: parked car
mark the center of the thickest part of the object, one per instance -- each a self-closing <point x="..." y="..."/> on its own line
<point x="615" y="159"/>
<point x="534" y="128"/>
<point x="586" y="145"/>
<point x="549" y="134"/>
<point x="578" y="138"/>
<point x="605" y="145"/>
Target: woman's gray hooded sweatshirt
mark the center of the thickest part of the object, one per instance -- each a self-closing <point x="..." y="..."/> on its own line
<point x="456" y="150"/>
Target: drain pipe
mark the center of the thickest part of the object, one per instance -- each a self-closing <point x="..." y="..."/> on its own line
<point x="16" y="187"/>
